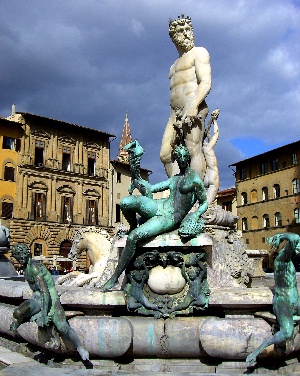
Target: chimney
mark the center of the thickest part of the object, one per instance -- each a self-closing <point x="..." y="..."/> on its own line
<point x="13" y="110"/>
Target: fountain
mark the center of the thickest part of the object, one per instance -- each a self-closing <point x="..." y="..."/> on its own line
<point x="185" y="295"/>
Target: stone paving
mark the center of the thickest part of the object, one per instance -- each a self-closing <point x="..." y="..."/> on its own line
<point x="15" y="364"/>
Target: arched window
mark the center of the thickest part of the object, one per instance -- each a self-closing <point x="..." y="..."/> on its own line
<point x="65" y="247"/>
<point x="254" y="224"/>
<point x="244" y="224"/>
<point x="254" y="195"/>
<point x="266" y="220"/>
<point x="296" y="185"/>
<point x="278" y="220"/>
<point x="244" y="198"/>
<point x="276" y="190"/>
<point x="265" y="194"/>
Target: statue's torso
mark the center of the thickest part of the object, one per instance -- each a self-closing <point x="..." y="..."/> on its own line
<point x="181" y="199"/>
<point x="183" y="79"/>
<point x="285" y="282"/>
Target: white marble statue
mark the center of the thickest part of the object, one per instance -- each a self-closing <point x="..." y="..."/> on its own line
<point x="98" y="245"/>
<point x="190" y="82"/>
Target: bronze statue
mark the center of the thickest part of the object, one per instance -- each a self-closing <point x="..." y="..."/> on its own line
<point x="163" y="215"/>
<point x="286" y="302"/>
<point x="44" y="307"/>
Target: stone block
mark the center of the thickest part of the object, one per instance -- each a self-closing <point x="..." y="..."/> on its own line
<point x="233" y="338"/>
<point x="148" y="337"/>
<point x="14" y="289"/>
<point x="241" y="298"/>
<point x="6" y="314"/>
<point x="107" y="337"/>
<point x="184" y="337"/>
<point x="92" y="297"/>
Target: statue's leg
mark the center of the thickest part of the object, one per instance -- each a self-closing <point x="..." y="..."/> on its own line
<point x="60" y="321"/>
<point x="25" y="310"/>
<point x="154" y="226"/>
<point x="193" y="141"/>
<point x="167" y="146"/>
<point x="284" y="315"/>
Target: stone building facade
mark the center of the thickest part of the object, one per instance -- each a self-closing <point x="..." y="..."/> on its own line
<point x="61" y="183"/>
<point x="268" y="195"/>
<point x="227" y="200"/>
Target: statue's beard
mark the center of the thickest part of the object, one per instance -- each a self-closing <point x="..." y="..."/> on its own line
<point x="183" y="43"/>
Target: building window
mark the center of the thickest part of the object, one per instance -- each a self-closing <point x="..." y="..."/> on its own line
<point x="92" y="212"/>
<point x="244" y="224"/>
<point x="119" y="177"/>
<point x="243" y="173"/>
<point x="247" y="241"/>
<point x="297" y="215"/>
<point x="118" y="213"/>
<point x="266" y="220"/>
<point x="244" y="198"/>
<point x="91" y="163"/>
<point x="39" y="206"/>
<point x="254" y="224"/>
<point x="276" y="190"/>
<point x="227" y="205"/>
<point x="8" y="143"/>
<point x="7" y="209"/>
<point x="39" y="153"/>
<point x="66" y="159"/>
<point x="294" y="159"/>
<point x="67" y="209"/>
<point x="278" y="220"/>
<point x="275" y="164"/>
<point x="264" y="168"/>
<point x="9" y="173"/>
<point x="37" y="249"/>
<point x="296" y="185"/>
<point x="254" y="196"/>
<point x="263" y="239"/>
<point x="265" y="194"/>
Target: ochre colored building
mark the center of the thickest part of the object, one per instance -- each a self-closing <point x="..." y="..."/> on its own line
<point x="61" y="183"/>
<point x="268" y="195"/>
<point x="10" y="134"/>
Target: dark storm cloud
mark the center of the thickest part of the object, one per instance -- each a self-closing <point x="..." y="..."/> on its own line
<point x="88" y="61"/>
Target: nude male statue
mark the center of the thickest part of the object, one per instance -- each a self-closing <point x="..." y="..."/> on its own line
<point x="44" y="307"/>
<point x="190" y="83"/>
<point x="286" y="301"/>
<point x="162" y="215"/>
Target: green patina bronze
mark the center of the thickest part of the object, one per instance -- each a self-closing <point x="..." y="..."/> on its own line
<point x="143" y="300"/>
<point x="162" y="215"/>
<point x="44" y="307"/>
<point x="286" y="303"/>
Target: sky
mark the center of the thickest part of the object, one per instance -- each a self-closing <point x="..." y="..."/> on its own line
<point x="89" y="61"/>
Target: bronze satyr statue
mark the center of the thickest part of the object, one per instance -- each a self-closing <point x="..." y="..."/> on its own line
<point x="44" y="307"/>
<point x="163" y="215"/>
<point x="286" y="301"/>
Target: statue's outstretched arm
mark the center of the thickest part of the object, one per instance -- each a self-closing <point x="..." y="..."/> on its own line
<point x="289" y="249"/>
<point x="161" y="186"/>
